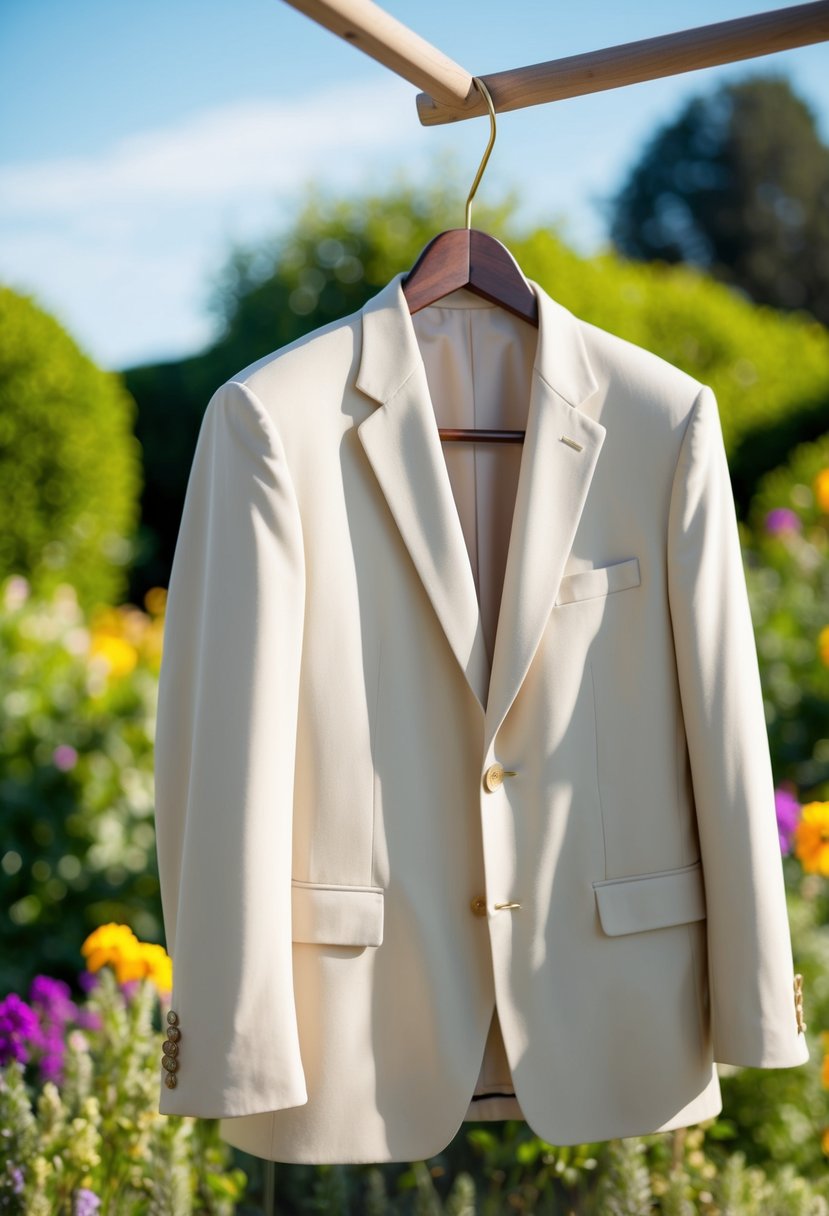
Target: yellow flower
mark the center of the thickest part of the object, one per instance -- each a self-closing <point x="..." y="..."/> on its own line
<point x="106" y="944"/>
<point x="159" y="966"/>
<point x="811" y="838"/>
<point x="821" y="488"/>
<point x="129" y="964"/>
<point x="131" y="959"/>
<point x="823" y="645"/>
<point x="824" y="1072"/>
<point x="824" y="1141"/>
<point x="118" y="654"/>
<point x="155" y="600"/>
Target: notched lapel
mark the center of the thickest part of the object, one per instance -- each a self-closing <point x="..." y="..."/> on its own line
<point x="402" y="443"/>
<point x="560" y="452"/>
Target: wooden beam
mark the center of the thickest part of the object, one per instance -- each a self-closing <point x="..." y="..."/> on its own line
<point x="384" y="38"/>
<point x="649" y="59"/>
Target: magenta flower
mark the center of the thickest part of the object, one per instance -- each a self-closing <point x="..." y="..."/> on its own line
<point x="53" y="997"/>
<point x="64" y="757"/>
<point x="51" y="1000"/>
<point x="788" y="813"/>
<point x="18" y="1027"/>
<point x="782" y="522"/>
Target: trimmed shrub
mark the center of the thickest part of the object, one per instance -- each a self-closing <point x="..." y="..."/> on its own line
<point x="69" y="463"/>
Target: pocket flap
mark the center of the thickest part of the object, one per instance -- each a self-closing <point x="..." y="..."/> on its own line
<point x="337" y="915"/>
<point x="651" y="901"/>
<point x="586" y="584"/>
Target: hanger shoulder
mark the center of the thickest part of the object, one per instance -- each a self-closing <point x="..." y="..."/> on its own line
<point x="495" y="275"/>
<point x="467" y="257"/>
<point x="443" y="266"/>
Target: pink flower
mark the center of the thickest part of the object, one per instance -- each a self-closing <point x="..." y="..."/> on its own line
<point x="64" y="757"/>
<point x="788" y="813"/>
<point x="18" y="1027"/>
<point x="782" y="521"/>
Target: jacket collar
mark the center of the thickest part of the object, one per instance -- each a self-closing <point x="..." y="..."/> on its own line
<point x="402" y="444"/>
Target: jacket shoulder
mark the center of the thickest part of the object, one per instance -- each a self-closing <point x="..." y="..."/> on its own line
<point x="638" y="380"/>
<point x="309" y="364"/>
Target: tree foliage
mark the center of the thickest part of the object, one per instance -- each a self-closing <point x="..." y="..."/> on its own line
<point x="738" y="184"/>
<point x="69" y="463"/>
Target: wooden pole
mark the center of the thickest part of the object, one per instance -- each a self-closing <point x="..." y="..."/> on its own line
<point x="668" y="55"/>
<point x="383" y="37"/>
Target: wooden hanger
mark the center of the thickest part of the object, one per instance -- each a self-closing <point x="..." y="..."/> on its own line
<point x="466" y="257"/>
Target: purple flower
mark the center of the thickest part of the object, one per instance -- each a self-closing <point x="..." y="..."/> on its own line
<point x="85" y="1202"/>
<point x="53" y="998"/>
<point x="18" y="1026"/>
<point x="788" y="814"/>
<point x="89" y="1019"/>
<point x="782" y="521"/>
<point x="16" y="1175"/>
<point x="55" y="1008"/>
<point x="88" y="980"/>
<point x="64" y="757"/>
<point x="129" y="988"/>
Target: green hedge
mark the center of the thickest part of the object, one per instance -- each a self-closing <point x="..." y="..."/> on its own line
<point x="69" y="463"/>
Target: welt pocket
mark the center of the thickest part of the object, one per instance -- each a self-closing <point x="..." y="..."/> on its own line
<point x="602" y="580"/>
<point x="651" y="901"/>
<point x="336" y="914"/>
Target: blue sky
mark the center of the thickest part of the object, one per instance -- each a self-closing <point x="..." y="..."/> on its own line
<point x="138" y="141"/>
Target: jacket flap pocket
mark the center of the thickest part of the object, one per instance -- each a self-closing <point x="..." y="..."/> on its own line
<point x="337" y="915"/>
<point x="587" y="584"/>
<point x="651" y="901"/>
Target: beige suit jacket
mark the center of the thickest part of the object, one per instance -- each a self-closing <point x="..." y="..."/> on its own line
<point x="463" y="794"/>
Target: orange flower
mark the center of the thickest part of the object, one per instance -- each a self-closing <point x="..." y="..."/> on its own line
<point x="823" y="645"/>
<point x="821" y="488"/>
<point x="811" y="838"/>
<point x="824" y="1141"/>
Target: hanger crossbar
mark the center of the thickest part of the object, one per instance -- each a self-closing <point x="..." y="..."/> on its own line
<point x="667" y="55"/>
<point x="449" y="94"/>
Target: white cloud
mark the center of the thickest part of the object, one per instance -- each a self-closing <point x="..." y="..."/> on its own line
<point x="121" y="245"/>
<point x="215" y="154"/>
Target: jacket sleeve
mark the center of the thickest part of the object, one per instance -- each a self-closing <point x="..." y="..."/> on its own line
<point x="224" y="768"/>
<point x="749" y="948"/>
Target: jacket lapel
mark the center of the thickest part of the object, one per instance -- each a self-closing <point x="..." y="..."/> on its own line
<point x="402" y="443"/>
<point x="552" y="489"/>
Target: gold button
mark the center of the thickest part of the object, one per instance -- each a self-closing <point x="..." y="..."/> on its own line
<point x="172" y="1017"/>
<point x="169" y="1048"/>
<point x="798" y="1003"/>
<point x="478" y="905"/>
<point x="173" y="1034"/>
<point x="170" y="1080"/>
<point x="494" y="776"/>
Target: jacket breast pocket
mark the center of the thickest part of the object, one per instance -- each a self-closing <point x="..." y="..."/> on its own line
<point x="651" y="901"/>
<point x="335" y="914"/>
<point x="601" y="581"/>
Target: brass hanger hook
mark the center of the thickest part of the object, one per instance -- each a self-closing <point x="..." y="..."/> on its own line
<point x="479" y="84"/>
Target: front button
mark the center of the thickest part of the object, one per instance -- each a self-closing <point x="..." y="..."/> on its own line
<point x="494" y="776"/>
<point x="478" y="905"/>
